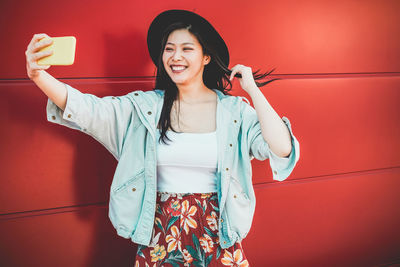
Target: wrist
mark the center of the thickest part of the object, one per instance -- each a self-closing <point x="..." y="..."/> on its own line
<point x="36" y="76"/>
<point x="253" y="91"/>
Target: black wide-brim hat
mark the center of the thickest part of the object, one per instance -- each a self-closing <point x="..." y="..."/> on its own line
<point x="206" y="30"/>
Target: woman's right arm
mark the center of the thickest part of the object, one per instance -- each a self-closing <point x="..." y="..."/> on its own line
<point x="106" y="119"/>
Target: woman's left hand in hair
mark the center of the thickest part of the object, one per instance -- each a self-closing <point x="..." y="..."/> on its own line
<point x="247" y="81"/>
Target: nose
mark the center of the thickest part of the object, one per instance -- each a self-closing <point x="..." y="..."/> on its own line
<point x="177" y="55"/>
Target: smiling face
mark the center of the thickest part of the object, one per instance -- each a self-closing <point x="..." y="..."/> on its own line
<point x="183" y="58"/>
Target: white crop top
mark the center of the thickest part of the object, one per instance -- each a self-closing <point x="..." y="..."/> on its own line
<point x="188" y="164"/>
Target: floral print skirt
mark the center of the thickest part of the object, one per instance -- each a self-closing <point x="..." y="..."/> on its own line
<point x="185" y="233"/>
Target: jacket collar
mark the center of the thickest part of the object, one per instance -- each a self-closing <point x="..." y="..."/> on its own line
<point x="149" y="105"/>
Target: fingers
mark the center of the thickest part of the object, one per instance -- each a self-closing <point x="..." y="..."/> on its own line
<point x="33" y="54"/>
<point x="234" y="71"/>
<point x="37" y="43"/>
<point x="40" y="67"/>
<point x="41" y="54"/>
<point x="238" y="68"/>
<point x="41" y="44"/>
<point x="33" y="58"/>
<point x="37" y="37"/>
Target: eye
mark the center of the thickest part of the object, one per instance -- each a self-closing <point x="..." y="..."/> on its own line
<point x="187" y="48"/>
<point x="168" y="49"/>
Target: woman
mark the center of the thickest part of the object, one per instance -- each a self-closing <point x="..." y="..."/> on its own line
<point x="188" y="201"/>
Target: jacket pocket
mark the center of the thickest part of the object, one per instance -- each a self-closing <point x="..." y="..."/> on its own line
<point x="126" y="204"/>
<point x="130" y="181"/>
<point x="238" y="208"/>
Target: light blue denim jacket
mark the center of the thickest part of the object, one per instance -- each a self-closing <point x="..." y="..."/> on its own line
<point x="125" y="126"/>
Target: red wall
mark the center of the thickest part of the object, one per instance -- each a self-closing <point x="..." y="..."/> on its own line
<point x="339" y="61"/>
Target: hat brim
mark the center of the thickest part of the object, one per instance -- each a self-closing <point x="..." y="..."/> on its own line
<point x="166" y="18"/>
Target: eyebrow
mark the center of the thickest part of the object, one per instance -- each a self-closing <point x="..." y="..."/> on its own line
<point x="182" y="43"/>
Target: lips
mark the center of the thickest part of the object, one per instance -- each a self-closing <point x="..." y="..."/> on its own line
<point x="178" y="68"/>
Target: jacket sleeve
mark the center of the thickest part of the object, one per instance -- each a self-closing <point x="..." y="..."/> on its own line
<point x="259" y="148"/>
<point x="106" y="119"/>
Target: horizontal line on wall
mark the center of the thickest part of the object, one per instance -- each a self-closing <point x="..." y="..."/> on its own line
<point x="282" y="76"/>
<point x="392" y="263"/>
<point x="84" y="80"/>
<point x="321" y="178"/>
<point x="79" y="208"/>
<point x="50" y="211"/>
<point x="335" y="75"/>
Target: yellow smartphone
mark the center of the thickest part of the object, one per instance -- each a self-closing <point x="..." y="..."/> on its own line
<point x="63" y="51"/>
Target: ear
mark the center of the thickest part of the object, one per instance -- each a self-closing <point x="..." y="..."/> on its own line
<point x="207" y="60"/>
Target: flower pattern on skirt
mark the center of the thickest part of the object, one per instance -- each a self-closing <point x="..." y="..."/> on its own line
<point x="185" y="233"/>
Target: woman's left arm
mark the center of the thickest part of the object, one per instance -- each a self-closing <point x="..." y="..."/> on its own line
<point x="273" y="129"/>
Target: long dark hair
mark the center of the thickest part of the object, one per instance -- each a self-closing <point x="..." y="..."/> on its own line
<point x="216" y="75"/>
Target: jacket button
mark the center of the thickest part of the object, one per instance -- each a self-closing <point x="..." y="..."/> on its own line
<point x="234" y="196"/>
<point x="227" y="169"/>
<point x="133" y="189"/>
<point x="224" y="242"/>
<point x="230" y="144"/>
<point x="113" y="97"/>
<point x="275" y="172"/>
<point x="136" y="94"/>
<point x="53" y="117"/>
<point x="235" y="121"/>
<point x="149" y="112"/>
<point x="222" y="220"/>
<point x="69" y="115"/>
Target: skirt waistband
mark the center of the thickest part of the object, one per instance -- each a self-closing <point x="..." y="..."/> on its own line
<point x="175" y="194"/>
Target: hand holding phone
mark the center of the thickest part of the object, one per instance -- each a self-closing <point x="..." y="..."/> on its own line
<point x="63" y="49"/>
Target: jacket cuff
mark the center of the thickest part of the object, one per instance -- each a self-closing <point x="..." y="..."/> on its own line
<point x="283" y="166"/>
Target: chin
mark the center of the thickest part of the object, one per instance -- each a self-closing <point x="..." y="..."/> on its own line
<point x="179" y="81"/>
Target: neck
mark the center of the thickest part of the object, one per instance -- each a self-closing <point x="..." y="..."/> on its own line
<point x="193" y="93"/>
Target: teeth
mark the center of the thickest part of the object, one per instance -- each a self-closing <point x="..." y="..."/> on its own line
<point x="178" y="67"/>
